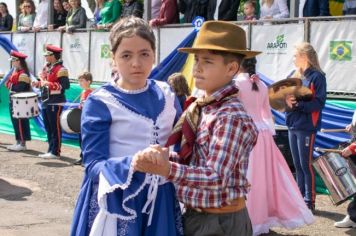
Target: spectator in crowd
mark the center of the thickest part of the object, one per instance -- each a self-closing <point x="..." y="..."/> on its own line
<point x="250" y="10"/>
<point x="308" y="8"/>
<point x="193" y="8"/>
<point x="110" y="12"/>
<point x="155" y="6"/>
<point x="59" y="15"/>
<point x="27" y="16"/>
<point x="179" y="85"/>
<point x="273" y="9"/>
<point x="132" y="8"/>
<point x="76" y="17"/>
<point x="98" y="6"/>
<point x="6" y="19"/>
<point x="349" y="7"/>
<point x="41" y="20"/>
<point x="168" y="14"/>
<point x="223" y="10"/>
<point x="66" y="5"/>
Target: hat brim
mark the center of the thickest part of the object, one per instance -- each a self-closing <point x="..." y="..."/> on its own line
<point x="48" y="53"/>
<point x="13" y="59"/>
<point x="246" y="53"/>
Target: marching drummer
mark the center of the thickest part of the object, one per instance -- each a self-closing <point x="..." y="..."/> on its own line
<point x="349" y="152"/>
<point x="54" y="79"/>
<point x="19" y="81"/>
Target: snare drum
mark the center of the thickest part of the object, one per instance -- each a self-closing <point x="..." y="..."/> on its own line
<point x="24" y="105"/>
<point x="338" y="175"/>
<point x="70" y="120"/>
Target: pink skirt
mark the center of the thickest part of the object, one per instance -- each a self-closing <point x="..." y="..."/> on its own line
<point x="274" y="199"/>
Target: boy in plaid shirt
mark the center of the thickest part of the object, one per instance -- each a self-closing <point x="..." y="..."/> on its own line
<point x="216" y="137"/>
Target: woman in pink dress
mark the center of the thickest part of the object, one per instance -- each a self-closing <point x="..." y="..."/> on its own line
<point x="274" y="199"/>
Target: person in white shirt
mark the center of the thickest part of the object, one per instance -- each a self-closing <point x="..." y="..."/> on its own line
<point x="274" y="9"/>
<point x="41" y="20"/>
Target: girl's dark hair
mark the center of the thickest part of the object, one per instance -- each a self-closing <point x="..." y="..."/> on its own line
<point x="249" y="66"/>
<point x="179" y="84"/>
<point x="24" y="66"/>
<point x="129" y="27"/>
<point x="57" y="55"/>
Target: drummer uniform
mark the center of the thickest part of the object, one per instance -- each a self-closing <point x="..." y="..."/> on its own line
<point x="57" y="76"/>
<point x="19" y="82"/>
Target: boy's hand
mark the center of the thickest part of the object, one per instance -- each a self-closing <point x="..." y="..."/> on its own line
<point x="153" y="160"/>
<point x="291" y="100"/>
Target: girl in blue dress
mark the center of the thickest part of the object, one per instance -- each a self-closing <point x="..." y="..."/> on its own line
<point x="118" y="120"/>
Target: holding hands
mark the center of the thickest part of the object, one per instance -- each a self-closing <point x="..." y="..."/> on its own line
<point x="153" y="160"/>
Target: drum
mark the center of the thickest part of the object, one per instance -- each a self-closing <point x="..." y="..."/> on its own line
<point x="338" y="175"/>
<point x="24" y="105"/>
<point x="70" y="120"/>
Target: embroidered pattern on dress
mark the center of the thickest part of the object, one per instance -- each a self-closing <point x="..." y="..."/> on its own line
<point x="93" y="206"/>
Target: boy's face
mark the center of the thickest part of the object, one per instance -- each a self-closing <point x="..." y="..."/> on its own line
<point x="211" y="72"/>
<point x="249" y="10"/>
<point x="83" y="83"/>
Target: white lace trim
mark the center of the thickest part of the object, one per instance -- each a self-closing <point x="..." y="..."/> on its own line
<point x="104" y="189"/>
<point x="306" y="219"/>
<point x="127" y="91"/>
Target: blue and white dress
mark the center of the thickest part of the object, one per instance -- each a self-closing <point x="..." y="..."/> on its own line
<point x="115" y="200"/>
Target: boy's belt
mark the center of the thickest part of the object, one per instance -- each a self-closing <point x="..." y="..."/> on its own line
<point x="234" y="206"/>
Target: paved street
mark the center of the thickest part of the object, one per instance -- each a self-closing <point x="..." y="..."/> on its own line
<point x="37" y="196"/>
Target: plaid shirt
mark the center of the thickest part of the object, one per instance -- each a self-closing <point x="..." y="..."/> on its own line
<point x="217" y="171"/>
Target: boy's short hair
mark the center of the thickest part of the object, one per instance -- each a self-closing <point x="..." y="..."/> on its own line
<point x="87" y="76"/>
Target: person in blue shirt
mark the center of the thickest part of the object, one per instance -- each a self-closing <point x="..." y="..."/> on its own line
<point x="304" y="118"/>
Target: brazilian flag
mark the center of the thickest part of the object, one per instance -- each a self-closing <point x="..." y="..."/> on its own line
<point x="341" y="50"/>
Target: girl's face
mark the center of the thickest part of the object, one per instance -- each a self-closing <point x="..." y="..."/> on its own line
<point x="27" y="7"/>
<point x="16" y="63"/>
<point x="133" y="59"/>
<point x="74" y="3"/>
<point x="249" y="10"/>
<point x="299" y="59"/>
<point x="2" y="9"/>
<point x="57" y="5"/>
<point x="66" y="6"/>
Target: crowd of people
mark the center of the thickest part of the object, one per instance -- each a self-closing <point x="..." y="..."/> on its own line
<point x="69" y="15"/>
<point x="215" y="154"/>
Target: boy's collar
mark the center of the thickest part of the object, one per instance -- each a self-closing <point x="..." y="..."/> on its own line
<point x="221" y="93"/>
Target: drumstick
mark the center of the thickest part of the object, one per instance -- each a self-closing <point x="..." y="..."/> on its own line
<point x="318" y="149"/>
<point x="333" y="130"/>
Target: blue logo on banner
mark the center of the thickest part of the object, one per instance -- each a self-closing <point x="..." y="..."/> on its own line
<point x="198" y="22"/>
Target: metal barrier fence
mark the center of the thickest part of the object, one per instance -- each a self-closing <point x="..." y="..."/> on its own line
<point x="332" y="37"/>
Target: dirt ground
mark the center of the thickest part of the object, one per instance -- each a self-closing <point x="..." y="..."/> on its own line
<point x="37" y="196"/>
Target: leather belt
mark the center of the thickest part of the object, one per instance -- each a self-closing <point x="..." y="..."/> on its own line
<point x="234" y="206"/>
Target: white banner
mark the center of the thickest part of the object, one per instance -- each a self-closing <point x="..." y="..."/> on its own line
<point x="276" y="42"/>
<point x="100" y="56"/>
<point x="170" y="38"/>
<point x="76" y="53"/>
<point x="335" y="43"/>
<point x="25" y="43"/>
<point x="4" y="64"/>
<point x="42" y="39"/>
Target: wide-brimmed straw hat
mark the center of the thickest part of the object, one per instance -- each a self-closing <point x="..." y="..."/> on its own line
<point x="221" y="36"/>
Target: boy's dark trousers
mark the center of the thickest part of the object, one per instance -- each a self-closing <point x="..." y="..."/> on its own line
<point x="228" y="224"/>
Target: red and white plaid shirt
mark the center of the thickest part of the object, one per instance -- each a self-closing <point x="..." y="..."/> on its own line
<point x="217" y="171"/>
